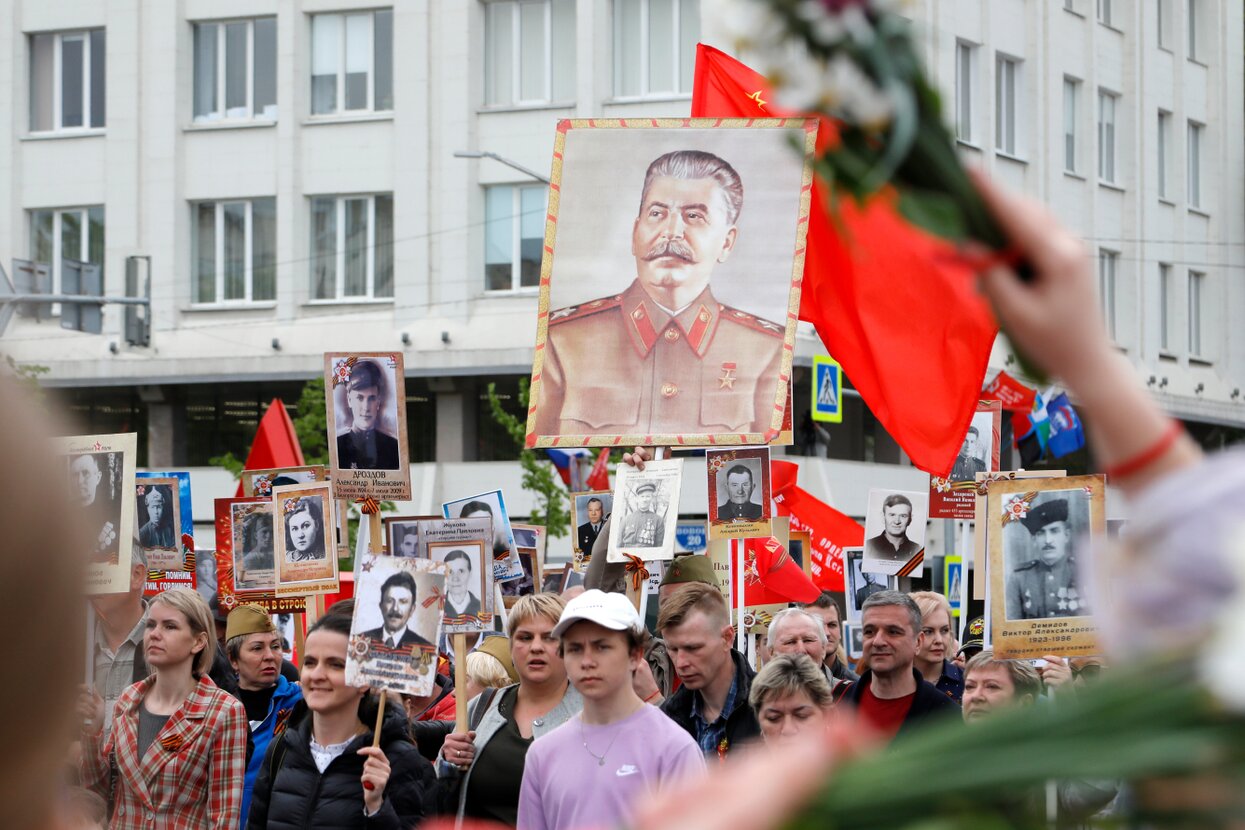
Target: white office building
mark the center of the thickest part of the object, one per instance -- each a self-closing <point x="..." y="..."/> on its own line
<point x="289" y="168"/>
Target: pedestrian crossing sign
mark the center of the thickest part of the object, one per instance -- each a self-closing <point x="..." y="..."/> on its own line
<point x="827" y="390"/>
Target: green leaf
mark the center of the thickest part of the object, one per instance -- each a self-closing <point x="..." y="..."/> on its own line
<point x="935" y="212"/>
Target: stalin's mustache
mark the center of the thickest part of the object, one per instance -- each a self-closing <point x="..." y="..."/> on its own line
<point x="670" y="247"/>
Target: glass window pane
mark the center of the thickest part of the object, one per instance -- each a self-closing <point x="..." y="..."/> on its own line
<point x="532" y="52"/>
<point x="323" y="248"/>
<point x="235" y="70"/>
<point x="205" y="70"/>
<point x="358" y="59"/>
<point x="264" y="249"/>
<point x="41" y="236"/>
<point x="234" y="254"/>
<point x="356" y="247"/>
<point x="562" y="50"/>
<point x="689" y="34"/>
<point x="660" y="45"/>
<point x="71" y="235"/>
<point x="99" y="99"/>
<point x="498" y="53"/>
<point x="265" y="92"/>
<point x="42" y="55"/>
<point x="384" y="60"/>
<point x="498" y="237"/>
<point x="72" y="62"/>
<point x="95" y="237"/>
<point x="383" y="256"/>
<point x="627" y="47"/>
<point x="205" y="253"/>
<point x="326" y="42"/>
<point x="532" y="234"/>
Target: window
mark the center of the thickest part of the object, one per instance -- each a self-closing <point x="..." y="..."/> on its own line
<point x="67" y="81"/>
<point x="1071" y="105"/>
<point x="1104" y="13"/>
<point x="1164" y="151"/>
<point x="351" y="247"/>
<point x="236" y="70"/>
<point x="529" y="55"/>
<point x="67" y="233"/>
<point x="1195" y="164"/>
<point x="514" y="236"/>
<point x="1106" y="136"/>
<point x="1165" y="298"/>
<point x="654" y="46"/>
<point x="352" y="62"/>
<point x="965" y="64"/>
<point x="1197" y="282"/>
<point x="1006" y="71"/>
<point x="1164" y="23"/>
<point x="1193" y="22"/>
<point x="235" y="251"/>
<point x="1108" y="261"/>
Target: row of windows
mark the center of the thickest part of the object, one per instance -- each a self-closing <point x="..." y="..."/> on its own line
<point x="1008" y="108"/>
<point x="1195" y="296"/>
<point x="1196" y="18"/>
<point x="529" y="59"/>
<point x="234" y="244"/>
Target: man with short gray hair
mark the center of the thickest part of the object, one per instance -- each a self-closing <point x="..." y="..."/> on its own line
<point x="891" y="696"/>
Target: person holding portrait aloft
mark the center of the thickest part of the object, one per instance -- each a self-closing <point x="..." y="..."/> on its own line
<point x="178" y="742"/>
<point x="365" y="446"/>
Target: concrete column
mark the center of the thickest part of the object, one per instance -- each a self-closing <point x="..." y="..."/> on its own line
<point x="161" y="436"/>
<point x="451" y="427"/>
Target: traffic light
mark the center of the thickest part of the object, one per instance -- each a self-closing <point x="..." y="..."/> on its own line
<point x="86" y="279"/>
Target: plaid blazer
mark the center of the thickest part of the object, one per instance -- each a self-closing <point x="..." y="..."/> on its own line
<point x="191" y="775"/>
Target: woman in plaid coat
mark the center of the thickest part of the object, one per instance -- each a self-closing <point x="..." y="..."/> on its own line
<point x="176" y="755"/>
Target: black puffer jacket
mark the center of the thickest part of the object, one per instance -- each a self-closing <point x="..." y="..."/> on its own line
<point x="291" y="793"/>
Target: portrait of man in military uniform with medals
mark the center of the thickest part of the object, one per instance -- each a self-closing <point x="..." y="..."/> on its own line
<point x="1045" y="584"/>
<point x="1037" y="592"/>
<point x="646" y="507"/>
<point x="685" y="360"/>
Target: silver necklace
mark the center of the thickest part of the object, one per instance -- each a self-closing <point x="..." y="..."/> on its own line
<point x="584" y="739"/>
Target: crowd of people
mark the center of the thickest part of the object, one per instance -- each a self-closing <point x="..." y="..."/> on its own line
<point x="592" y="721"/>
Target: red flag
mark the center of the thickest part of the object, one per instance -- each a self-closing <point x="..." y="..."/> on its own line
<point x="772" y="576"/>
<point x="829" y="530"/>
<point x="1014" y="395"/>
<point x="895" y="306"/>
<point x="599" y="478"/>
<point x="276" y="444"/>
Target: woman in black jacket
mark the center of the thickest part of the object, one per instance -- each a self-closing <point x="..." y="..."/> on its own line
<point x="324" y="772"/>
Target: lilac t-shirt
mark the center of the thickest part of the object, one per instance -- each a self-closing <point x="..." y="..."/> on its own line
<point x="565" y="788"/>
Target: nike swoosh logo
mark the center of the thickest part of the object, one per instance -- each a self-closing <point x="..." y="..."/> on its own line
<point x="625" y="770"/>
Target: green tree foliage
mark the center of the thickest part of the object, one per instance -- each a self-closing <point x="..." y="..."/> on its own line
<point x="551" y="507"/>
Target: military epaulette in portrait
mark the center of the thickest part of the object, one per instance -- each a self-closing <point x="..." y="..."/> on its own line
<point x="575" y="312"/>
<point x="1032" y="563"/>
<point x="751" y="321"/>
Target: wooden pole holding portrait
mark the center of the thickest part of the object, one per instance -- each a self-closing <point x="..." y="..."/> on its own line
<point x="460" y="683"/>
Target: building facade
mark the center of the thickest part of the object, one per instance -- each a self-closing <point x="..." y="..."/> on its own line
<point x="294" y="171"/>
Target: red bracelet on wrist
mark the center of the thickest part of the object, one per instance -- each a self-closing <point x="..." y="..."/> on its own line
<point x="1148" y="456"/>
<point x="653" y="695"/>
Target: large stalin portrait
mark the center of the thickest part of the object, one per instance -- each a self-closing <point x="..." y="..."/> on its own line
<point x="664" y="356"/>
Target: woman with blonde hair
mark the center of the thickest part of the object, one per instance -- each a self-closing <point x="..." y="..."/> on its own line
<point x="177" y="742"/>
<point x="482" y="770"/>
<point x="934" y="659"/>
<point x="790" y="696"/>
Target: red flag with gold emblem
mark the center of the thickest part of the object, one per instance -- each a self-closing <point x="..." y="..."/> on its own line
<point x="771" y="576"/>
<point x="895" y="306"/>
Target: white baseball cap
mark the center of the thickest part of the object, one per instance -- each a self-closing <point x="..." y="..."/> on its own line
<point x="612" y="611"/>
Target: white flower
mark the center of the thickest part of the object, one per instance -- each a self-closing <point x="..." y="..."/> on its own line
<point x="751" y="26"/>
<point x="798" y="78"/>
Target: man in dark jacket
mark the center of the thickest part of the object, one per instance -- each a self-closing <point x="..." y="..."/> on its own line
<point x="712" y="704"/>
<point x="892" y="696"/>
<point x="291" y="791"/>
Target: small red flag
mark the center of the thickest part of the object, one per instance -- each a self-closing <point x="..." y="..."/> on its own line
<point x="599" y="478"/>
<point x="895" y="306"/>
<point x="275" y="444"/>
<point x="829" y="530"/>
<point x="1014" y="395"/>
<point x="772" y="576"/>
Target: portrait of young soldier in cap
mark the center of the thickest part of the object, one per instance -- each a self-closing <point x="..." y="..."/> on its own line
<point x="643" y="527"/>
<point x="1044" y="584"/>
<point x="365" y="445"/>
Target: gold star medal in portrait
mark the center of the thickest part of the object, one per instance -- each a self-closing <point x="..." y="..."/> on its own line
<point x="670" y="283"/>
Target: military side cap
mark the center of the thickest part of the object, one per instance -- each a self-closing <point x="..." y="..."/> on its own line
<point x="248" y="619"/>
<point x="645" y="487"/>
<point x="690" y="568"/>
<point x="1039" y="517"/>
<point x="499" y="647"/>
